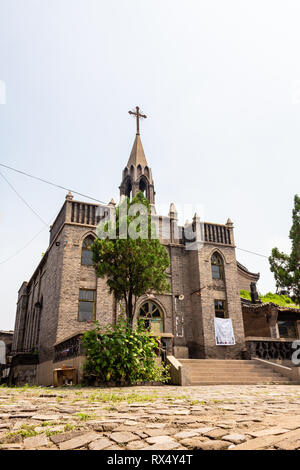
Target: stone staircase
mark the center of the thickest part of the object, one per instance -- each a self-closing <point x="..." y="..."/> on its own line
<point x="231" y="372"/>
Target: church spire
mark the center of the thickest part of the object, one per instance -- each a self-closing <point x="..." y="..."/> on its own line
<point x="137" y="175"/>
<point x="137" y="155"/>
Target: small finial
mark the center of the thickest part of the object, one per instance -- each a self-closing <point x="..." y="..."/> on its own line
<point x="69" y="196"/>
<point x="112" y="202"/>
<point x="172" y="210"/>
<point x="229" y="221"/>
<point x="196" y="217"/>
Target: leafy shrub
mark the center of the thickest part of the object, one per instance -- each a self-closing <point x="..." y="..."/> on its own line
<point x="122" y="355"/>
<point x="245" y="294"/>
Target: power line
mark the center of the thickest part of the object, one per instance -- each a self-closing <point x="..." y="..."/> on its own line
<point x="23" y="248"/>
<point x="52" y="184"/>
<point x="23" y="200"/>
<point x="80" y="194"/>
<point x="252" y="252"/>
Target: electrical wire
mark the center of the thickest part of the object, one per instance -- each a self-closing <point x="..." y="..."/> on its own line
<point x="23" y="200"/>
<point x="252" y="252"/>
<point x="23" y="248"/>
<point x="49" y="182"/>
<point x="73" y="191"/>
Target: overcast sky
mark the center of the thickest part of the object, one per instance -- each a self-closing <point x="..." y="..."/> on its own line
<point x="219" y="82"/>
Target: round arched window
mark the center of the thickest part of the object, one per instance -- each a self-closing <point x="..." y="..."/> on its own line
<point x="151" y="315"/>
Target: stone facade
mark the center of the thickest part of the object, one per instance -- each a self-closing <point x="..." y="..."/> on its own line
<point x="47" y="310"/>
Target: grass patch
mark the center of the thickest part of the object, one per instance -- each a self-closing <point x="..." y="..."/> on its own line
<point x="26" y="430"/>
<point x="69" y="427"/>
<point x="106" y="397"/>
<point x="85" y="416"/>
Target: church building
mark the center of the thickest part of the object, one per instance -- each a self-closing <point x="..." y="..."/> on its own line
<point x="64" y="296"/>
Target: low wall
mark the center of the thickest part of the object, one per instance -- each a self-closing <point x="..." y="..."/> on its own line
<point x="179" y="373"/>
<point x="45" y="369"/>
<point x="292" y="373"/>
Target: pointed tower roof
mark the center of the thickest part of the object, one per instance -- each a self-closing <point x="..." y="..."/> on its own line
<point x="137" y="156"/>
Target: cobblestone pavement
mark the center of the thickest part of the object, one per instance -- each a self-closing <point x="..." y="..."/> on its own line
<point x="149" y="418"/>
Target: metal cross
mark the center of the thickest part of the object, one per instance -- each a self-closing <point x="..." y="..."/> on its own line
<point x="138" y="116"/>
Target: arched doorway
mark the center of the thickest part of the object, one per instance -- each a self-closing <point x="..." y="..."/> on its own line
<point x="152" y="316"/>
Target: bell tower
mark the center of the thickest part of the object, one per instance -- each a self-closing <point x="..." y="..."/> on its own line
<point x="137" y="175"/>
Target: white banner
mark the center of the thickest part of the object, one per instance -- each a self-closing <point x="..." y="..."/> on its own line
<point x="224" y="332"/>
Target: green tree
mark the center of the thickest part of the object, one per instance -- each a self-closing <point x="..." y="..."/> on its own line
<point x="286" y="268"/>
<point x="134" y="265"/>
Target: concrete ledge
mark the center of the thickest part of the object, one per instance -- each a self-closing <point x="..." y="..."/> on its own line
<point x="293" y="373"/>
<point x="179" y="373"/>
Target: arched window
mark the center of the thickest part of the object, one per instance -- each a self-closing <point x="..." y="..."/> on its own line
<point x="87" y="254"/>
<point x="139" y="170"/>
<point x="128" y="188"/>
<point x="143" y="186"/>
<point x="151" y="315"/>
<point x="217" y="267"/>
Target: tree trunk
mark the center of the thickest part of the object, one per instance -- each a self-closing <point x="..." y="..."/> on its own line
<point x="129" y="310"/>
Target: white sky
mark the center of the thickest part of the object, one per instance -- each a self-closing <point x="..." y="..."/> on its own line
<point x="219" y="81"/>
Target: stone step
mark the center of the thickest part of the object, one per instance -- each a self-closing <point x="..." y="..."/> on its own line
<point x="263" y="371"/>
<point x="221" y="372"/>
<point x="216" y="361"/>
<point x="244" y="378"/>
<point x="230" y="367"/>
<point x="242" y="382"/>
<point x="258" y="372"/>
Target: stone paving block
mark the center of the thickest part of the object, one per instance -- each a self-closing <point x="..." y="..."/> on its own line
<point x="163" y="446"/>
<point x="136" y="445"/>
<point x="204" y="430"/>
<point x="216" y="433"/>
<point x="114" y="447"/>
<point x="142" y="435"/>
<point x="11" y="446"/>
<point x="268" y="432"/>
<point x="123" y="437"/>
<point x="40" y="417"/>
<point x="192" y="442"/>
<point x="235" y="438"/>
<point x="79" y="441"/>
<point x="184" y="434"/>
<point x="109" y="426"/>
<point x="159" y="432"/>
<point x="159" y="439"/>
<point x="155" y="425"/>
<point x="213" y="444"/>
<point x="288" y="444"/>
<point x="40" y="440"/>
<point x="100" y="444"/>
<point x="67" y="436"/>
<point x="20" y="415"/>
<point x="4" y="426"/>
